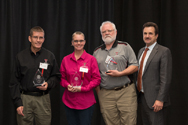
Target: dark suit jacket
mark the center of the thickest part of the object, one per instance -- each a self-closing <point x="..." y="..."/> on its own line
<point x="157" y="75"/>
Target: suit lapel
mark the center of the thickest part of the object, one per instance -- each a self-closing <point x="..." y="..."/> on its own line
<point x="152" y="54"/>
<point x="140" y="53"/>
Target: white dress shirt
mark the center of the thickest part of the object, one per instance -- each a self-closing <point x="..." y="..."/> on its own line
<point x="145" y="60"/>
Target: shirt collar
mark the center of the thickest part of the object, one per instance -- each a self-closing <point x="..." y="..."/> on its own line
<point x="152" y="46"/>
<point x="81" y="57"/>
<point x="113" y="46"/>
<point x="37" y="53"/>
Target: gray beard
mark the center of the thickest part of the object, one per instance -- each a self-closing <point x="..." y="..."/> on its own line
<point x="108" y="40"/>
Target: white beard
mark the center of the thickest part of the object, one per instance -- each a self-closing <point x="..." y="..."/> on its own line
<point x="108" y="40"/>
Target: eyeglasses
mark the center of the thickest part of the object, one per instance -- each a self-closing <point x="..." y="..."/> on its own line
<point x="76" y="41"/>
<point x="36" y="37"/>
<point x="107" y="31"/>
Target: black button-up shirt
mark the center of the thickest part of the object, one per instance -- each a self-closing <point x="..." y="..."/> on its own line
<point x="25" y="66"/>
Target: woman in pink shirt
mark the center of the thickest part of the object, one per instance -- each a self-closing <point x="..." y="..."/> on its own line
<point x="80" y="75"/>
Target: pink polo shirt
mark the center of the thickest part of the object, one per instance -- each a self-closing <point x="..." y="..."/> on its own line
<point x="69" y="65"/>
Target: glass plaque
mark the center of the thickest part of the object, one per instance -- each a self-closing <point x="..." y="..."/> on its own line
<point x="76" y="80"/>
<point x="111" y="65"/>
<point x="38" y="78"/>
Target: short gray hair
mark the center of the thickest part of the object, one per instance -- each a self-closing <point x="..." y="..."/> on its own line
<point x="105" y="22"/>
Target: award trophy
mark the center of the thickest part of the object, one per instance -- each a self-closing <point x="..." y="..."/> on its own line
<point x="76" y="80"/>
<point x="38" y="78"/>
<point x="111" y="65"/>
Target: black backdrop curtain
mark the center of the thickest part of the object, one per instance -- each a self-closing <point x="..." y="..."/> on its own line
<point x="60" y="18"/>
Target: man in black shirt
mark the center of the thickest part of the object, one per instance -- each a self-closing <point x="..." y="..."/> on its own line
<point x="35" y="62"/>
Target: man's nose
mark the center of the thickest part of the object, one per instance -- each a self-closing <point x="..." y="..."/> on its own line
<point x="107" y="32"/>
<point x="147" y="35"/>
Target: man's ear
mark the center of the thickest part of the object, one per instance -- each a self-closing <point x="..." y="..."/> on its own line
<point x="29" y="38"/>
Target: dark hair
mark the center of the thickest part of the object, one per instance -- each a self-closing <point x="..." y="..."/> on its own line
<point x="36" y="29"/>
<point x="151" y="24"/>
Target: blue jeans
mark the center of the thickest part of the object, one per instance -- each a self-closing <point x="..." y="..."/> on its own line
<point x="79" y="117"/>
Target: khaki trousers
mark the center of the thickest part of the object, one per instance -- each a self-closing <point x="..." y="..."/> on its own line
<point x="119" y="107"/>
<point x="36" y="108"/>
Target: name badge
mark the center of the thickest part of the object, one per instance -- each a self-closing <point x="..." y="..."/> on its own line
<point x="43" y="65"/>
<point x="83" y="69"/>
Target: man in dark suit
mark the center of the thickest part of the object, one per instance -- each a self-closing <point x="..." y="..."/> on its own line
<point x="154" y="77"/>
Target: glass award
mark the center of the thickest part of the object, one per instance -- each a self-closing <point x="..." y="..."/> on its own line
<point x="76" y="80"/>
<point x="38" y="78"/>
<point x="111" y="65"/>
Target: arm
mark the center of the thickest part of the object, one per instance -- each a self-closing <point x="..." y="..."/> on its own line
<point x="130" y="70"/>
<point x="54" y="77"/>
<point x="132" y="64"/>
<point x="165" y="80"/>
<point x="14" y="84"/>
<point x="14" y="88"/>
<point x="165" y="76"/>
<point x="64" y="81"/>
<point x="95" y="76"/>
<point x="97" y="89"/>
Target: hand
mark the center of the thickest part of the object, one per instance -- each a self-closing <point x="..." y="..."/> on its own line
<point x="71" y="89"/>
<point x="158" y="105"/>
<point x="43" y="87"/>
<point x="114" y="73"/>
<point x="77" y="89"/>
<point x="20" y="110"/>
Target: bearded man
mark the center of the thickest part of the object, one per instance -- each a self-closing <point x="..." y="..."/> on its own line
<point x="117" y="92"/>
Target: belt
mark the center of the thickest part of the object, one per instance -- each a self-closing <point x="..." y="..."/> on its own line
<point x="34" y="93"/>
<point x="124" y="86"/>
